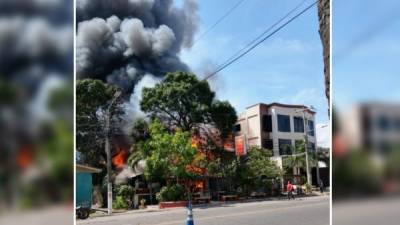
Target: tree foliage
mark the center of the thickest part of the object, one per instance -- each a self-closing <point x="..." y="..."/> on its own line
<point x="167" y="154"/>
<point x="297" y="159"/>
<point x="182" y="101"/>
<point x="93" y="97"/>
<point x="260" y="164"/>
<point x="223" y="116"/>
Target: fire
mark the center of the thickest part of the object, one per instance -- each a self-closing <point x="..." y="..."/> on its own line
<point x="25" y="157"/>
<point x="199" y="184"/>
<point x="119" y="160"/>
<point x="203" y="137"/>
<point x="200" y="141"/>
<point x="228" y="143"/>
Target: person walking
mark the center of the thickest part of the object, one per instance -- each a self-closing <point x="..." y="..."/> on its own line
<point x="321" y="186"/>
<point x="289" y="188"/>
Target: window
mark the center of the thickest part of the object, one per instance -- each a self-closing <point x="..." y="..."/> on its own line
<point x="283" y="123"/>
<point x="267" y="123"/>
<point x="311" y="130"/>
<point x="268" y="144"/>
<point x="384" y="123"/>
<point x="237" y="128"/>
<point x="285" y="147"/>
<point x="311" y="146"/>
<point x="298" y="124"/>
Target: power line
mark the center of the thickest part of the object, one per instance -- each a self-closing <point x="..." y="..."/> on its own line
<point x="264" y="32"/>
<point x="218" y="21"/>
<point x="257" y="43"/>
<point x="261" y="41"/>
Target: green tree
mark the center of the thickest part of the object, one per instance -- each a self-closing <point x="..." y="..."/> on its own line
<point x="182" y="101"/>
<point x="260" y="164"/>
<point x="223" y="116"/>
<point x="8" y="93"/>
<point x="167" y="154"/>
<point x="93" y="97"/>
<point x="140" y="130"/>
<point x="254" y="172"/>
<point x="298" y="159"/>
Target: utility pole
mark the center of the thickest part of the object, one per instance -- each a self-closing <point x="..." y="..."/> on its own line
<point x="306" y="148"/>
<point x="108" y="152"/>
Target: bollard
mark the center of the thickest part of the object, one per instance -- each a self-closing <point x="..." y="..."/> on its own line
<point x="189" y="220"/>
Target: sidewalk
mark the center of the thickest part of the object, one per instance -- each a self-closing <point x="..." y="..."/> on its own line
<point x="101" y="212"/>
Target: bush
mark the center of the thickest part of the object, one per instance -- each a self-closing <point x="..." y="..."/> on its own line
<point x="175" y="192"/>
<point x="120" y="203"/>
<point x="124" y="195"/>
<point x="125" y="191"/>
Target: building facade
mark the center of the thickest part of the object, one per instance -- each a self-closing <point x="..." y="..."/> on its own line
<point x="276" y="126"/>
<point x="372" y="127"/>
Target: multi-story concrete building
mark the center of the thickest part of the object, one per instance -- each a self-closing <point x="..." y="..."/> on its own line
<point x="277" y="126"/>
<point x="372" y="127"/>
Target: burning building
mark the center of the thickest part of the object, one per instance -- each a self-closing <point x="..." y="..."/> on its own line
<point x="131" y="44"/>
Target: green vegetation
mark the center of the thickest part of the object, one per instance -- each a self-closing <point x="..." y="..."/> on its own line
<point x="124" y="196"/>
<point x="182" y="101"/>
<point x="173" y="192"/>
<point x="93" y="97"/>
<point x="120" y="203"/>
<point x="167" y="154"/>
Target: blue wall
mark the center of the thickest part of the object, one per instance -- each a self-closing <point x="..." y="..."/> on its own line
<point x="84" y="189"/>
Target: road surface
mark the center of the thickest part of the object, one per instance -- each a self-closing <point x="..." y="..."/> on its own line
<point x="366" y="211"/>
<point x="306" y="211"/>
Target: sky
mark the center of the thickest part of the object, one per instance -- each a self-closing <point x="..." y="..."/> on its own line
<point x="287" y="68"/>
<point x="365" y="45"/>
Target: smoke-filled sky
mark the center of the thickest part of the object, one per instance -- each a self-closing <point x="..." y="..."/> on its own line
<point x="36" y="54"/>
<point x="36" y="41"/>
<point x="121" y="41"/>
<point x="132" y="43"/>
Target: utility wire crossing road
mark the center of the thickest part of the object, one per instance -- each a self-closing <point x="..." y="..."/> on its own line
<point x="306" y="211"/>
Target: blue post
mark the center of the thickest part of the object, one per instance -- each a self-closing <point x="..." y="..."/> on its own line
<point x="189" y="220"/>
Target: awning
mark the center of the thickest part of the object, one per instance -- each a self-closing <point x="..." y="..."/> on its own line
<point x="129" y="172"/>
<point x="87" y="169"/>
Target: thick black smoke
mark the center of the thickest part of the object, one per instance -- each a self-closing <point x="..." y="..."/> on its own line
<point x="36" y="42"/>
<point x="121" y="41"/>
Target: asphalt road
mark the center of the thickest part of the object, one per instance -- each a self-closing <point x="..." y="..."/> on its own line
<point x="307" y="211"/>
<point x="367" y="211"/>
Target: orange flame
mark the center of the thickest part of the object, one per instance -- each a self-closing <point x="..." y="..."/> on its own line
<point x="119" y="160"/>
<point x="25" y="157"/>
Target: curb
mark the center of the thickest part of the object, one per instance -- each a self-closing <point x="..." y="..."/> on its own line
<point x="212" y="204"/>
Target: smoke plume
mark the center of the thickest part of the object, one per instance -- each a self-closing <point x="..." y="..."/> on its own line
<point x="121" y="41"/>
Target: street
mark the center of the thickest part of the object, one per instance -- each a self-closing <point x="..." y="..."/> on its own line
<point x="369" y="211"/>
<point x="305" y="211"/>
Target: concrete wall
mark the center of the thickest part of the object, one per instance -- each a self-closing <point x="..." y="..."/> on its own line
<point x="251" y="126"/>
